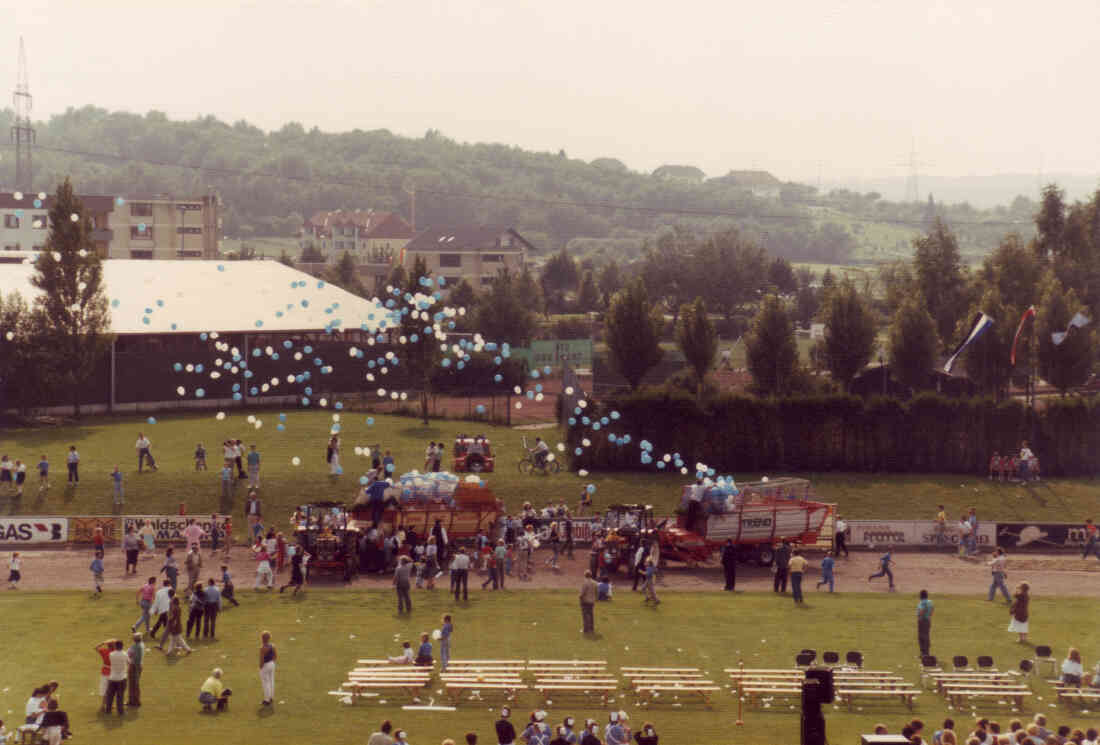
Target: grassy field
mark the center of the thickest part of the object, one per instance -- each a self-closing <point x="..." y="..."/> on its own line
<point x="320" y="635"/>
<point x="103" y="442"/>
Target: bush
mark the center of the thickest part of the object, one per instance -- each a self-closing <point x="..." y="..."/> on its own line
<point x="928" y="433"/>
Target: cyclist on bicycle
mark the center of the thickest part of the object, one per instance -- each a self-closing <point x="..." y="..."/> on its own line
<point x="539" y="452"/>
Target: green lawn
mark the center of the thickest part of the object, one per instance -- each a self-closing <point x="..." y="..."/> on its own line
<point x="103" y="442"/>
<point x="321" y="634"/>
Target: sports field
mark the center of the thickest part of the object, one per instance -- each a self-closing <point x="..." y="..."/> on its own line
<point x="104" y="442"/>
<point x="320" y="635"/>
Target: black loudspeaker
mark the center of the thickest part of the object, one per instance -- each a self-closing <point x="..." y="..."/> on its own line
<point x="824" y="677"/>
<point x="813" y="723"/>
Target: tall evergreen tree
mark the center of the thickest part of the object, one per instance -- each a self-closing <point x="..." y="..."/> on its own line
<point x="771" y="353"/>
<point x="421" y="352"/>
<point x="611" y="281"/>
<point x="633" y="333"/>
<point x="941" y="278"/>
<point x="697" y="339"/>
<point x="504" y="313"/>
<point x="1069" y="364"/>
<point x="913" y="344"/>
<point x="849" y="333"/>
<point x="70" y="275"/>
<point x="588" y="297"/>
<point x="345" y="275"/>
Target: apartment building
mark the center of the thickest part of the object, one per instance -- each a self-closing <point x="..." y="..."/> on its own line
<point x="476" y="253"/>
<point x="157" y="227"/>
<point x="373" y="239"/>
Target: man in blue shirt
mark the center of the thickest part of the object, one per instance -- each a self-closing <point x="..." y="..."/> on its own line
<point x="827" y="565"/>
<point x="212" y="598"/>
<point x="924" y="623"/>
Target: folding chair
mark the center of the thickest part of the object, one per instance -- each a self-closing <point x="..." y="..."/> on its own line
<point x="830" y="658"/>
<point x="854" y="658"/>
<point x="1044" y="654"/>
<point x="985" y="663"/>
<point x="929" y="664"/>
<point x="1026" y="671"/>
<point x="804" y="660"/>
<point x="811" y="652"/>
<point x="960" y="662"/>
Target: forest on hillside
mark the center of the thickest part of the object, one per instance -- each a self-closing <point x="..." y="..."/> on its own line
<point x="600" y="209"/>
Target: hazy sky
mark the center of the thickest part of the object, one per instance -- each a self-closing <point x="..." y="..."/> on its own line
<point x="792" y="87"/>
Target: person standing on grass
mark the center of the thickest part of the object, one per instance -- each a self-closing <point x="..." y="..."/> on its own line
<point x="145" y="595"/>
<point x="212" y="605"/>
<point x="214" y="531"/>
<point x="650" y="586"/>
<point x="116" y="679"/>
<point x="171" y="568"/>
<point x="461" y="567"/>
<point x="296" y="577"/>
<point x="588" y="604"/>
<point x="264" y="575"/>
<point x="997" y="568"/>
<point x="227" y="481"/>
<point x="43" y="474"/>
<point x="796" y="566"/>
<point x="15" y="571"/>
<point x="885" y="562"/>
<point x="196" y="610"/>
<point x="445" y="632"/>
<point x="200" y="457"/>
<point x="782" y="558"/>
<point x="142" y="446"/>
<point x="924" y="623"/>
<point x="193" y="535"/>
<point x="193" y="564"/>
<point x="253" y="508"/>
<point x="506" y="733"/>
<point x="116" y="478"/>
<point x="20" y="477"/>
<point x="1019" y="611"/>
<point x="238" y="458"/>
<point x="253" y="467"/>
<point x="227" y="586"/>
<point x="96" y="568"/>
<point x="136" y="655"/>
<point x="174" y="634"/>
<point x="6" y="470"/>
<point x="162" y="603"/>
<point x="729" y="565"/>
<point x="268" y="655"/>
<point x="383" y="736"/>
<point x="401" y="585"/>
<point x="130" y="547"/>
<point x="827" y="566"/>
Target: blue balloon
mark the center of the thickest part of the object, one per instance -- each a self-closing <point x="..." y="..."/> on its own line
<point x="237" y="397"/>
<point x="363" y="480"/>
<point x="282" y="417"/>
<point x="389" y="468"/>
<point x="309" y="390"/>
<point x="446" y="362"/>
<point x="288" y="344"/>
<point x="281" y="427"/>
<point x="591" y="488"/>
<point x="661" y="464"/>
<point x="221" y="267"/>
<point x="480" y="408"/>
<point x="596" y="426"/>
<point x="577" y="451"/>
<point x="114" y="303"/>
<point x="253" y="391"/>
<point x="339" y="405"/>
<point x="615" y="415"/>
<point x="308" y="349"/>
<point x="198" y="368"/>
<point x="572" y="421"/>
<point x="152" y="420"/>
<point x="200" y="393"/>
<point x="203" y="336"/>
<point x="497" y="378"/>
<point x="370" y="421"/>
<point x="177" y="367"/>
<point x="305" y="401"/>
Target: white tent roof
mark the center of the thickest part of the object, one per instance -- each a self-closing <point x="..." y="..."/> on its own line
<point x="226" y="296"/>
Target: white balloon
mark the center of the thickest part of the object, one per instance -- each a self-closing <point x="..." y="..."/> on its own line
<point x="259" y="423"/>
<point x="251" y="418"/>
<point x="181" y="390"/>
<point x="335" y="417"/>
<point x="220" y="416"/>
<point x="295" y="461"/>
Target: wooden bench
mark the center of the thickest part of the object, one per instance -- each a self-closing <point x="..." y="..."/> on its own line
<point x="1080" y="695"/>
<point x="363" y="688"/>
<point x="582" y="687"/>
<point x="683" y="670"/>
<point x="704" y="688"/>
<point x="955" y="694"/>
<point x="905" y="693"/>
<point x="757" y="692"/>
<point x="509" y="688"/>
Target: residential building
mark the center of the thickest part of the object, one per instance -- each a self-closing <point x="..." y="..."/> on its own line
<point x="157" y="227"/>
<point x="372" y="238"/>
<point x="476" y="253"/>
<point x="25" y="221"/>
<point x="164" y="227"/>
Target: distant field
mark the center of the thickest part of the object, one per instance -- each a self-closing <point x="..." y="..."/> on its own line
<point x="321" y="634"/>
<point x="103" y="442"/>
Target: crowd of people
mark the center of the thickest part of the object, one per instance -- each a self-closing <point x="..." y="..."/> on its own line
<point x="536" y="730"/>
<point x="984" y="731"/>
<point x="1020" y="466"/>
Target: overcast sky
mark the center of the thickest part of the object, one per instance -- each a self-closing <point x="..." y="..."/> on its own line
<point x="793" y="87"/>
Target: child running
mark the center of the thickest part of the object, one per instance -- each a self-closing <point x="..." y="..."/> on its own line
<point x="97" y="573"/>
<point x="885" y="562"/>
<point x="20" y="477"/>
<point x="43" y="474"/>
<point x="827" y="565"/>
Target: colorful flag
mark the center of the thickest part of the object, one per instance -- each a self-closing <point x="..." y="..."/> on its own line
<point x="981" y="323"/>
<point x="1029" y="313"/>
<point x="1079" y="320"/>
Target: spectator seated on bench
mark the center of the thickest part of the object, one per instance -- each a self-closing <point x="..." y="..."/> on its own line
<point x="995" y="466"/>
<point x="424" y="654"/>
<point x="1072" y="669"/>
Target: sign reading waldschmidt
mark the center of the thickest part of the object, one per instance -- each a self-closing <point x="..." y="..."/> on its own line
<point x="170" y="527"/>
<point x="34" y="529"/>
<point x="883" y="533"/>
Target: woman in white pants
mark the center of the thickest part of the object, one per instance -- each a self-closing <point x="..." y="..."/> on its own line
<point x="267" y="668"/>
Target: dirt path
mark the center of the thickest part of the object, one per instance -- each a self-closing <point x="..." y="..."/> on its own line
<point x="1061" y="574"/>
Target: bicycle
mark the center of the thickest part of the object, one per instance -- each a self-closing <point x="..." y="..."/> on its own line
<point x="529" y="464"/>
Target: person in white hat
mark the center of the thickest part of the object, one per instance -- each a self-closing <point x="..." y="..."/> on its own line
<point x="538" y="731"/>
<point x="559" y="738"/>
<point x="570" y="736"/>
<point x="618" y="731"/>
<point x="591" y="730"/>
<point x="506" y="733"/>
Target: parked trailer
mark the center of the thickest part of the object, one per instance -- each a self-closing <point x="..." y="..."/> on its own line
<point x="475" y="508"/>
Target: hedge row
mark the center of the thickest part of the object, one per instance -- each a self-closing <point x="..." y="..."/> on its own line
<point x="928" y="433"/>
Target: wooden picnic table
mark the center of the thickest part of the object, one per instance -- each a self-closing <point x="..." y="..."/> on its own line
<point x="905" y="692"/>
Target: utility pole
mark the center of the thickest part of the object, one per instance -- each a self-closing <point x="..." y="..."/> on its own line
<point x="912" y="181"/>
<point x="22" y="132"/>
